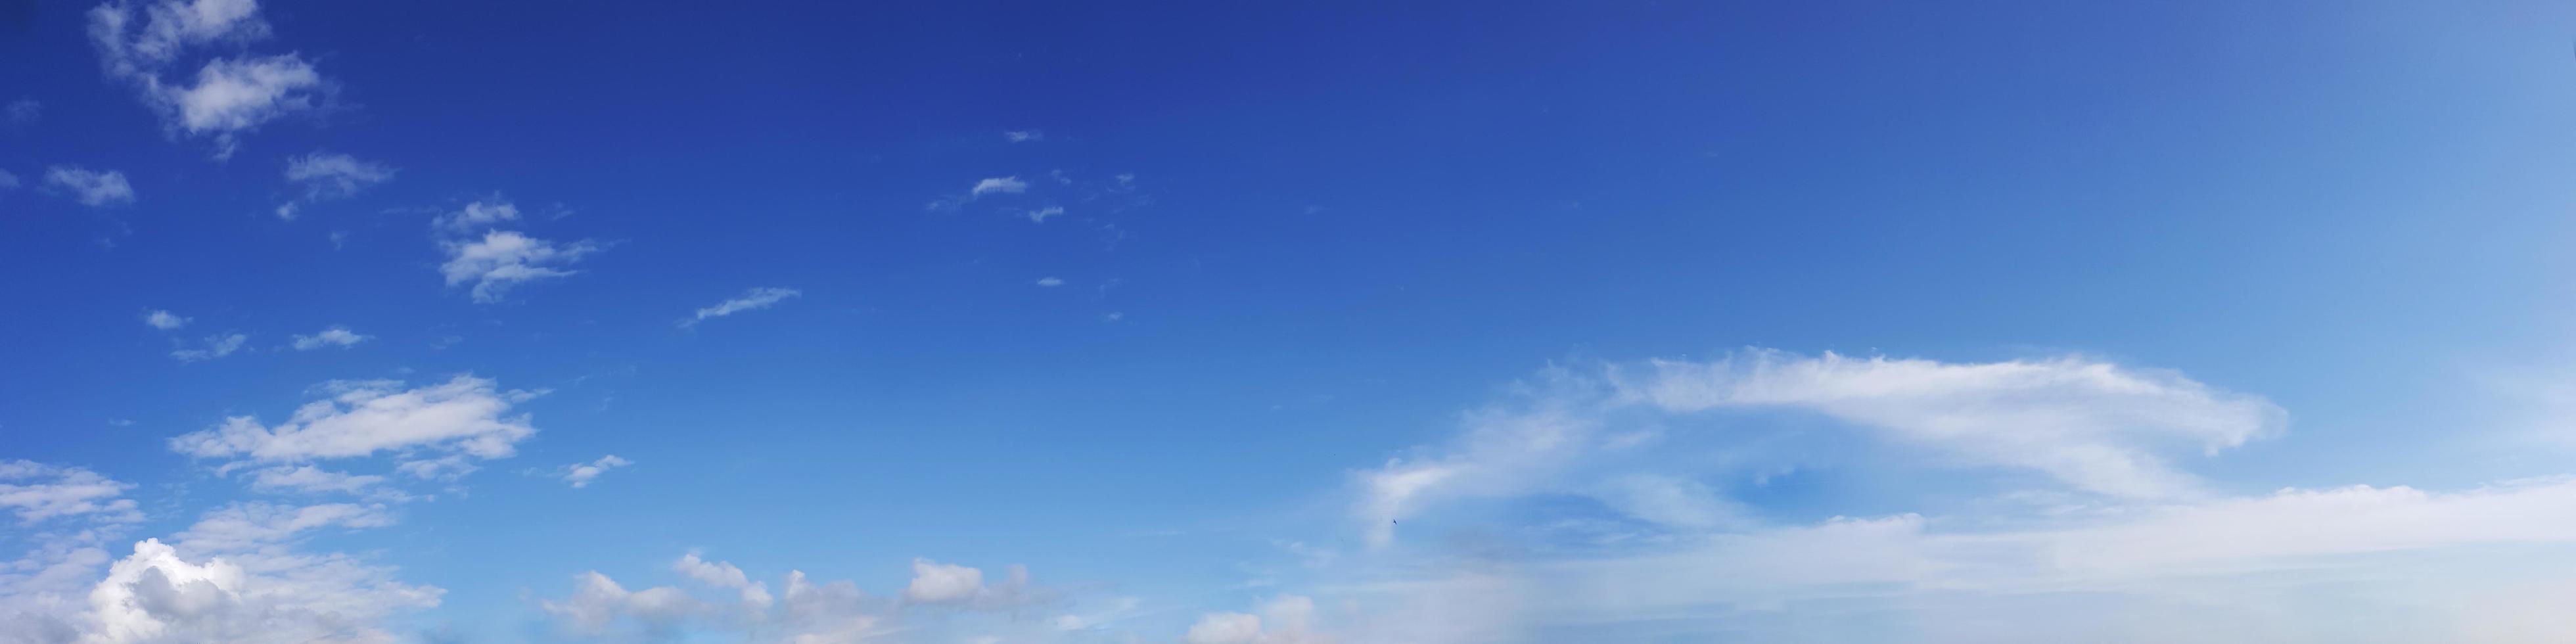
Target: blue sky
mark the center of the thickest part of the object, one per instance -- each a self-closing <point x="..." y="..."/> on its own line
<point x="1227" y="324"/>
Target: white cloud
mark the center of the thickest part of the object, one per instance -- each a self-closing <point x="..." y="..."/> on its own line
<point x="311" y="480"/>
<point x="236" y="576"/>
<point x="216" y="347"/>
<point x="581" y="474"/>
<point x="326" y="176"/>
<point x="752" y="300"/>
<point x="2096" y="426"/>
<point x="163" y="320"/>
<point x="1023" y="136"/>
<point x="336" y="336"/>
<point x="36" y="492"/>
<point x="1050" y="282"/>
<point x="957" y="586"/>
<point x="91" y="188"/>
<point x="1040" y="215"/>
<point x="475" y="217"/>
<point x="503" y="259"/>
<point x="8" y="181"/>
<point x="1284" y="620"/>
<point x="807" y="613"/>
<point x="228" y="96"/>
<point x="466" y="416"/>
<point x="1003" y="185"/>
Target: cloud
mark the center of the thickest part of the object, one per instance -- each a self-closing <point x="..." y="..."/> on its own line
<point x="807" y="613"/>
<point x="8" y="181"/>
<point x="163" y="320"/>
<point x="465" y="416"/>
<point x="1040" y="215"/>
<point x="311" y="480"/>
<point x="91" y="188"/>
<point x="2096" y="426"/>
<point x="22" y="111"/>
<point x="754" y="299"/>
<point x="228" y="95"/>
<point x="475" y="217"/>
<point x="236" y="576"/>
<point x="325" y="176"/>
<point x="955" y="586"/>
<point x="503" y="259"/>
<point x="1002" y="185"/>
<point x="1050" y="282"/>
<point x="336" y="336"/>
<point x="1284" y="620"/>
<point x="581" y="474"/>
<point x="216" y="347"/>
<point x="1023" y="136"/>
<point x="36" y="492"/>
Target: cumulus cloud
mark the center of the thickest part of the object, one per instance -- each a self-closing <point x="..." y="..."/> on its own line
<point x="91" y="188"/>
<point x="999" y="185"/>
<point x="236" y="576"/>
<point x="227" y="96"/>
<point x="957" y="586"/>
<point x="215" y="347"/>
<point x="335" y="336"/>
<point x="163" y="320"/>
<point x="465" y="416"/>
<point x="806" y="613"/>
<point x="502" y="259"/>
<point x="581" y="474"/>
<point x="752" y="300"/>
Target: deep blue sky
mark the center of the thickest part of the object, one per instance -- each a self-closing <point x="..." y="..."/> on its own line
<point x="1341" y="226"/>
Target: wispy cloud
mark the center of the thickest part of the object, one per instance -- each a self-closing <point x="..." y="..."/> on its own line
<point x="228" y="96"/>
<point x="91" y="188"/>
<point x="163" y="320"/>
<point x="999" y="185"/>
<point x="581" y="474"/>
<point x="1023" y="136"/>
<point x="324" y="176"/>
<point x="336" y="336"/>
<point x="214" y="347"/>
<point x="752" y="300"/>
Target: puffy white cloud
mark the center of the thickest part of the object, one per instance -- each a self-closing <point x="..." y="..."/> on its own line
<point x="228" y="95"/>
<point x="91" y="188"/>
<point x="336" y="336"/>
<point x="1287" y="619"/>
<point x="216" y="346"/>
<point x="503" y="259"/>
<point x="807" y="612"/>
<point x="163" y="320"/>
<point x="754" y="299"/>
<point x="581" y="474"/>
<point x="1000" y="185"/>
<point x="957" y="586"/>
<point x="466" y="416"/>
<point x="36" y="492"/>
<point x="236" y="576"/>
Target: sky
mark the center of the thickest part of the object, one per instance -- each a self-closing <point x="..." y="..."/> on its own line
<point x="1245" y="323"/>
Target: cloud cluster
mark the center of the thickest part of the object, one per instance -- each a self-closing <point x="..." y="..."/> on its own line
<point x="498" y="260"/>
<point x="142" y="43"/>
<point x="35" y="492"/>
